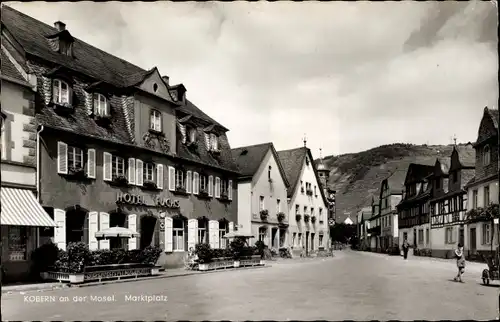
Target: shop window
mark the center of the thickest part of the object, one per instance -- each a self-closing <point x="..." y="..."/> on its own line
<point x="75" y="157"/>
<point x="117" y="166"/>
<point x="148" y="224"/>
<point x="18" y="243"/>
<point x="149" y="172"/>
<point x="223" y="230"/>
<point x="60" y="92"/>
<point x="180" y="179"/>
<point x="155" y="121"/>
<point x="178" y="234"/>
<point x="202" y="231"/>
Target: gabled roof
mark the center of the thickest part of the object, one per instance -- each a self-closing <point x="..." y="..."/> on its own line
<point x="249" y="158"/>
<point x="494" y="116"/>
<point x="88" y="60"/>
<point x="419" y="171"/>
<point x="292" y="161"/>
<point x="10" y="71"/>
<point x="396" y="181"/>
<point x="466" y="155"/>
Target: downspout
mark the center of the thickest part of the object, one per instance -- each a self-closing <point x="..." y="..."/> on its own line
<point x="38" y="161"/>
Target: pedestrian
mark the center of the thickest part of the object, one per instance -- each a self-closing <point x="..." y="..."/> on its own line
<point x="406" y="247"/>
<point x="460" y="256"/>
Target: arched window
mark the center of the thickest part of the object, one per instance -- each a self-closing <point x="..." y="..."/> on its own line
<point x="60" y="92"/>
<point x="100" y="105"/>
<point x="486" y="155"/>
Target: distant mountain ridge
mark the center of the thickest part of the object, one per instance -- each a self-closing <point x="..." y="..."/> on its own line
<point x="357" y="176"/>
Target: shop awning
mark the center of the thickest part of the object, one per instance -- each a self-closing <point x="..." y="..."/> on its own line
<point x="20" y="208"/>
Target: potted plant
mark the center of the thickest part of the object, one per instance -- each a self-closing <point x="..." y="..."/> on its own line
<point x="205" y="255"/>
<point x="149" y="185"/>
<point x="203" y="193"/>
<point x="78" y="172"/>
<point x="280" y="216"/>
<point x="306" y="218"/>
<point x="237" y="246"/>
<point x="120" y="180"/>
<point x="298" y="217"/>
<point x="180" y="189"/>
<point x="264" y="214"/>
<point x="224" y="196"/>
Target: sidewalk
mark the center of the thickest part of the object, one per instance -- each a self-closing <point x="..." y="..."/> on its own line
<point x="175" y="272"/>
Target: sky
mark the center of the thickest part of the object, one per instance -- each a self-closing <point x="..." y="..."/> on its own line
<point x="349" y="76"/>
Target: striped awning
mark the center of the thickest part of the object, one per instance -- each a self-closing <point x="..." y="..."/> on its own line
<point x="20" y="208"/>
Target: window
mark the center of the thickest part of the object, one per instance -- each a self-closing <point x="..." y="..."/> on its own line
<point x="486" y="196"/>
<point x="4" y="140"/>
<point x="320" y="215"/>
<point x="223" y="230"/>
<point x="117" y="166"/>
<point x="192" y="135"/>
<point x="486" y="155"/>
<point x="100" y="105"/>
<point x="420" y="236"/>
<point x="269" y="173"/>
<point x="155" y="121"/>
<point x="427" y="235"/>
<point x="60" y="92"/>
<point x="75" y="157"/>
<point x="312" y="211"/>
<point x="405" y="236"/>
<point x="178" y="235"/>
<point x="18" y="239"/>
<point x="486" y="234"/>
<point x="300" y="240"/>
<point x="149" y="171"/>
<point x="315" y="193"/>
<point x="223" y="187"/>
<point x="202" y="231"/>
<point x="261" y="203"/>
<point x="278" y="205"/>
<point x="305" y="210"/>
<point x="203" y="183"/>
<point x="294" y="239"/>
<point x="262" y="234"/>
<point x="214" y="142"/>
<point x="474" y="199"/>
<point x="297" y="209"/>
<point x="179" y="179"/>
<point x="302" y="186"/>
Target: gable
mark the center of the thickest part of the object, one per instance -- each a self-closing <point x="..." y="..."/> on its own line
<point x="455" y="161"/>
<point x="277" y="174"/>
<point x="487" y="127"/>
<point x="154" y="84"/>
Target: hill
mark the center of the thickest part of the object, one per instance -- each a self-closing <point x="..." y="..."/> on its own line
<point x="357" y="176"/>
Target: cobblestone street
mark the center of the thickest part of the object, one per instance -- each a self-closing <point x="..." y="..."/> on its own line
<point x="353" y="285"/>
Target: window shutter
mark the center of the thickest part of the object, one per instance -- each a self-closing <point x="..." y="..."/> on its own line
<point x="189" y="182"/>
<point x="139" y="174"/>
<point x="196" y="183"/>
<point x="230" y="190"/>
<point x="91" y="163"/>
<point x="131" y="171"/>
<point x="217" y="187"/>
<point x="132" y="225"/>
<point x="159" y="176"/>
<point x="62" y="158"/>
<point x="210" y="186"/>
<point x="182" y="128"/>
<point x="171" y="178"/>
<point x="107" y="174"/>
<point x="207" y="141"/>
<point x="216" y="234"/>
<point x="192" y="233"/>
<point x="103" y="224"/>
<point x="93" y="228"/>
<point x="168" y="234"/>
<point x="231" y="226"/>
<point x="212" y="236"/>
<point x="60" y="230"/>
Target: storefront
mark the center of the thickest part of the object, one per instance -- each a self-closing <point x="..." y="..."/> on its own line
<point x="22" y="220"/>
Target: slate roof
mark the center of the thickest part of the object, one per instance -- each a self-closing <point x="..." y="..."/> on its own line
<point x="396" y="181"/>
<point x="249" y="158"/>
<point x="88" y="60"/>
<point x="467" y="155"/>
<point x="445" y="164"/>
<point x="9" y="70"/>
<point x="292" y="161"/>
<point x="494" y="116"/>
<point x="421" y="170"/>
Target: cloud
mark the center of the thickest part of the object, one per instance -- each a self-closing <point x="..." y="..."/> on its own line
<point x="351" y="75"/>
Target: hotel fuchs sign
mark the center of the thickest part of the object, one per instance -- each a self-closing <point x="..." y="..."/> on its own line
<point x="142" y="200"/>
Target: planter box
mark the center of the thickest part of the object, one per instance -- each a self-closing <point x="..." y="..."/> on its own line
<point x="101" y="274"/>
<point x="250" y="261"/>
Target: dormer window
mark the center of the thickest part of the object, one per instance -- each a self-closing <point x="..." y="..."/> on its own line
<point x="486" y="155"/>
<point x="60" y="92"/>
<point x="192" y="135"/>
<point x="214" y="143"/>
<point x="100" y="105"/>
<point x="155" y="121"/>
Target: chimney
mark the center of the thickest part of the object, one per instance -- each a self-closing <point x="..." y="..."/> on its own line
<point x="165" y="79"/>
<point x="59" y="25"/>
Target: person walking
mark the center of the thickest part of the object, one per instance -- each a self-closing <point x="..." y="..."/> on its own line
<point x="406" y="247"/>
<point x="460" y="256"/>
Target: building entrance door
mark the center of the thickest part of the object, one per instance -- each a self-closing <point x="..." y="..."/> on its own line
<point x="461" y="235"/>
<point x="312" y="241"/>
<point x="472" y="240"/>
<point x="307" y="242"/>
